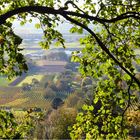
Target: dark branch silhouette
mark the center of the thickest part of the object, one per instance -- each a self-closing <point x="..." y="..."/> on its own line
<point x="104" y="48"/>
<point x="66" y="14"/>
<point x="128" y="102"/>
<point x="49" y="10"/>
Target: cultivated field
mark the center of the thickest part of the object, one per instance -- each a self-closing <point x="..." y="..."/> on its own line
<point x="29" y="79"/>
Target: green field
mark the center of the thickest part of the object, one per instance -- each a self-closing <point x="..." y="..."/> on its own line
<point x="74" y="45"/>
<point x="17" y="102"/>
<point x="28" y="79"/>
<point x="4" y="81"/>
<point x="69" y="45"/>
<point x="25" y="51"/>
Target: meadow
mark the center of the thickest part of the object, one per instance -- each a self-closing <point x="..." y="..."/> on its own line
<point x="4" y="81"/>
<point x="29" y="79"/>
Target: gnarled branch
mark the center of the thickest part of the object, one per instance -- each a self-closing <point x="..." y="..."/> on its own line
<point x="66" y="14"/>
<point x="104" y="48"/>
<point x="49" y="10"/>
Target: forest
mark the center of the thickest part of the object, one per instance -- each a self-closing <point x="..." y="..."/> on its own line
<point x="83" y="86"/>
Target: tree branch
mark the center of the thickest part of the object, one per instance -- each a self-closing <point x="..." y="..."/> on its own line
<point x="49" y="10"/>
<point x="104" y="48"/>
<point x="128" y="102"/>
<point x="74" y="5"/>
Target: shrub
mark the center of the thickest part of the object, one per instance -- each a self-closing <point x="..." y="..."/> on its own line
<point x="59" y="121"/>
<point x="11" y="129"/>
<point x="49" y="93"/>
<point x="57" y="102"/>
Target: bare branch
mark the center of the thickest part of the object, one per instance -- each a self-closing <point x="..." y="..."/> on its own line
<point x="49" y="10"/>
<point x="104" y="48"/>
<point x="75" y="6"/>
<point x="66" y="14"/>
<point x="128" y="102"/>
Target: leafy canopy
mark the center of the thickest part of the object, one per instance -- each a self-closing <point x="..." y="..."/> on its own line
<point x="113" y="28"/>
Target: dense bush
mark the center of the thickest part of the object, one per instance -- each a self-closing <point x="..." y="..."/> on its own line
<point x="59" y="122"/>
<point x="12" y="129"/>
<point x="57" y="102"/>
<point x="57" y="55"/>
<point x="74" y="101"/>
<point x="49" y="93"/>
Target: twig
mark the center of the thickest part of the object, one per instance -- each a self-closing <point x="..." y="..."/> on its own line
<point x="128" y="102"/>
<point x="75" y="6"/>
<point x="49" y="10"/>
<point x="104" y="48"/>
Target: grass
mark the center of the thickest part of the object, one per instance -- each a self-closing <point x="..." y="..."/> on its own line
<point x="9" y="91"/>
<point x="25" y="51"/>
<point x="18" y="98"/>
<point x="4" y="81"/>
<point x="74" y="45"/>
<point x="28" y="79"/>
<point x="69" y="45"/>
<point x="26" y="99"/>
<point x="55" y="78"/>
<point x="19" y="114"/>
<point x="17" y="102"/>
<point x="41" y="103"/>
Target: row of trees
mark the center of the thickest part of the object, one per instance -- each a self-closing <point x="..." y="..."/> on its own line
<point x="56" y="55"/>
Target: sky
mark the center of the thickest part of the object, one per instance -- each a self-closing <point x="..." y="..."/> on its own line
<point x="29" y="28"/>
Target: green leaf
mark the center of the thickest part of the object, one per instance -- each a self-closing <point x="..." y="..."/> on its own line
<point x="85" y="107"/>
<point x="37" y="25"/>
<point x="91" y="108"/>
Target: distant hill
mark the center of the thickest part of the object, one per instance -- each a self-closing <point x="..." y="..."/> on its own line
<point x="29" y="28"/>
